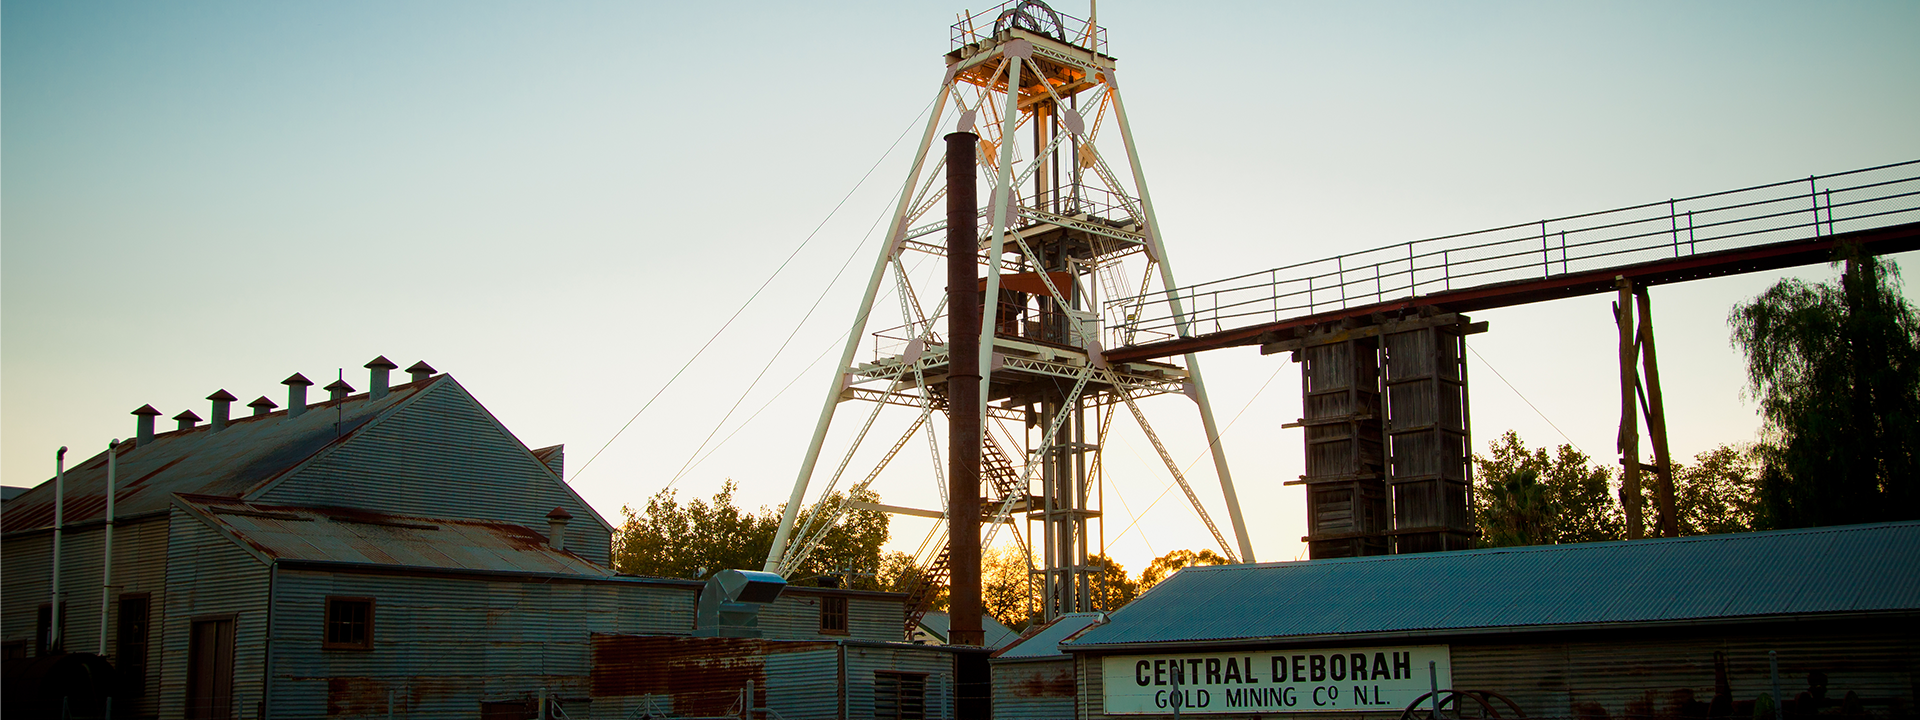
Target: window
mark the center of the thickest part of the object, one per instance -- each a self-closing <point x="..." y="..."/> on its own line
<point x="130" y="647"/>
<point x="349" y="624"/>
<point x="899" y="696"/>
<point x="833" y="616"/>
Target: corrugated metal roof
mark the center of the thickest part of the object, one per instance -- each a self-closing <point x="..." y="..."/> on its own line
<point x="199" y="461"/>
<point x="358" y="536"/>
<point x="940" y="625"/>
<point x="1855" y="568"/>
<point x="1046" y="642"/>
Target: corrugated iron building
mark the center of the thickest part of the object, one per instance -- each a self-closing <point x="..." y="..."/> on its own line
<point x="1033" y="677"/>
<point x="377" y="554"/>
<point x="1674" y="628"/>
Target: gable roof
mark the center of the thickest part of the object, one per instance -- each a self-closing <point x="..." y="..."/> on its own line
<point x="1045" y="643"/>
<point x="1739" y="577"/>
<point x="353" y="536"/>
<point x="250" y="452"/>
<point x="940" y="625"/>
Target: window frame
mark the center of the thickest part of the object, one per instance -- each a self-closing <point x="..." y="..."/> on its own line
<point x="833" y="607"/>
<point x="133" y="671"/>
<point x="900" y="682"/>
<point x="327" y="623"/>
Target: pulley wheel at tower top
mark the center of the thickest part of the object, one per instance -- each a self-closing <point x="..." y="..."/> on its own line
<point x="1032" y="15"/>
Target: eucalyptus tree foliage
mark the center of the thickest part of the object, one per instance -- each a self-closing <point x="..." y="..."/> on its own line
<point x="1719" y="492"/>
<point x="1528" y="497"/>
<point x="1525" y="496"/>
<point x="1835" y="367"/>
<point x="702" y="537"/>
<point x="1165" y="566"/>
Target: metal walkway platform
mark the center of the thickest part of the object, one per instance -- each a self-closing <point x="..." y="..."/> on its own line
<point x="1766" y="227"/>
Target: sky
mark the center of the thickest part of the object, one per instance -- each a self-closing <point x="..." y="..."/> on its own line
<point x="561" y="205"/>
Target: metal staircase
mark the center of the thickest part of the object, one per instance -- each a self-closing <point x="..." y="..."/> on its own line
<point x="998" y="470"/>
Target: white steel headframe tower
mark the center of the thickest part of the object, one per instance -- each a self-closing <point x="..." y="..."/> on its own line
<point x="1068" y="246"/>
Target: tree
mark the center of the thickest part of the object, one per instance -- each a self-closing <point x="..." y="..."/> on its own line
<point x="1836" y="370"/>
<point x="1718" y="493"/>
<point x="1518" y="510"/>
<point x="1111" y="586"/>
<point x="704" y="537"/>
<point x="1525" y="496"/>
<point x="691" y="541"/>
<point x="1165" y="566"/>
<point x="1006" y="591"/>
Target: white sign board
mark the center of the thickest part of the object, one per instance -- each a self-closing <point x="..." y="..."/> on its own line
<point x="1316" y="680"/>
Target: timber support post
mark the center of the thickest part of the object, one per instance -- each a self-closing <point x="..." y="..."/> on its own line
<point x="1656" y="418"/>
<point x="1628" y="441"/>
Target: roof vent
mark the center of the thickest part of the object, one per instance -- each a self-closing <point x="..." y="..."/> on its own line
<point x="143" y="427"/>
<point x="187" y="419"/>
<point x="222" y="408"/>
<point x="419" y="371"/>
<point x="730" y="603"/>
<point x="261" y="406"/>
<point x="296" y="394"/>
<point x="557" y="528"/>
<point x="338" y="389"/>
<point x="377" y="370"/>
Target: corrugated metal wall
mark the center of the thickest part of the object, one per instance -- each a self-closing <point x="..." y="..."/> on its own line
<point x="208" y="575"/>
<point x="1092" y="701"/>
<point x="796" y="615"/>
<point x="1650" y="675"/>
<point x="706" y="676"/>
<point x="1642" y="675"/>
<point x="443" y="456"/>
<point x="442" y="645"/>
<point x="139" y="566"/>
<point x="863" y="662"/>
<point x="1040" y="689"/>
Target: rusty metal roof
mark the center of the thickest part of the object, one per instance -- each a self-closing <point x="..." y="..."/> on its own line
<point x="1739" y="577"/>
<point x="346" y="535"/>
<point x="251" y="451"/>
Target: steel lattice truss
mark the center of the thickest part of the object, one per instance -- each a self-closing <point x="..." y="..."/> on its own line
<point x="1068" y="248"/>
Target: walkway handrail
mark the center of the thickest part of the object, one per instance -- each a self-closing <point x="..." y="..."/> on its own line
<point x="1814" y="206"/>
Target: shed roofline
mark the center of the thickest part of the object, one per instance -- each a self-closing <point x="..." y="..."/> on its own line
<point x="205" y="518"/>
<point x="433" y="385"/>
<point x="120" y="521"/>
<point x="366" y="568"/>
<point x="264" y="486"/>
<point x="1347" y="638"/>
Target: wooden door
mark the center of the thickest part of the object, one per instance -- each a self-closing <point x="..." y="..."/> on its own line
<point x="210" y="670"/>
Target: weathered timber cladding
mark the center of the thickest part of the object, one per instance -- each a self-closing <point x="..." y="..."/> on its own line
<point x="864" y="661"/>
<point x="1427" y="433"/>
<point x="1041" y="689"/>
<point x="1345" y="454"/>
<point x="209" y="576"/>
<point x="444" y="644"/>
<point x="870" y="616"/>
<point x="444" y="456"/>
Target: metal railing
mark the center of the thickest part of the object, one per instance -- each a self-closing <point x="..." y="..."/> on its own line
<point x="1028" y="15"/>
<point x="1814" y="206"/>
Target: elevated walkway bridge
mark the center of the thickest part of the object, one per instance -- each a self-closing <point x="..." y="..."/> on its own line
<point x="1765" y="227"/>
